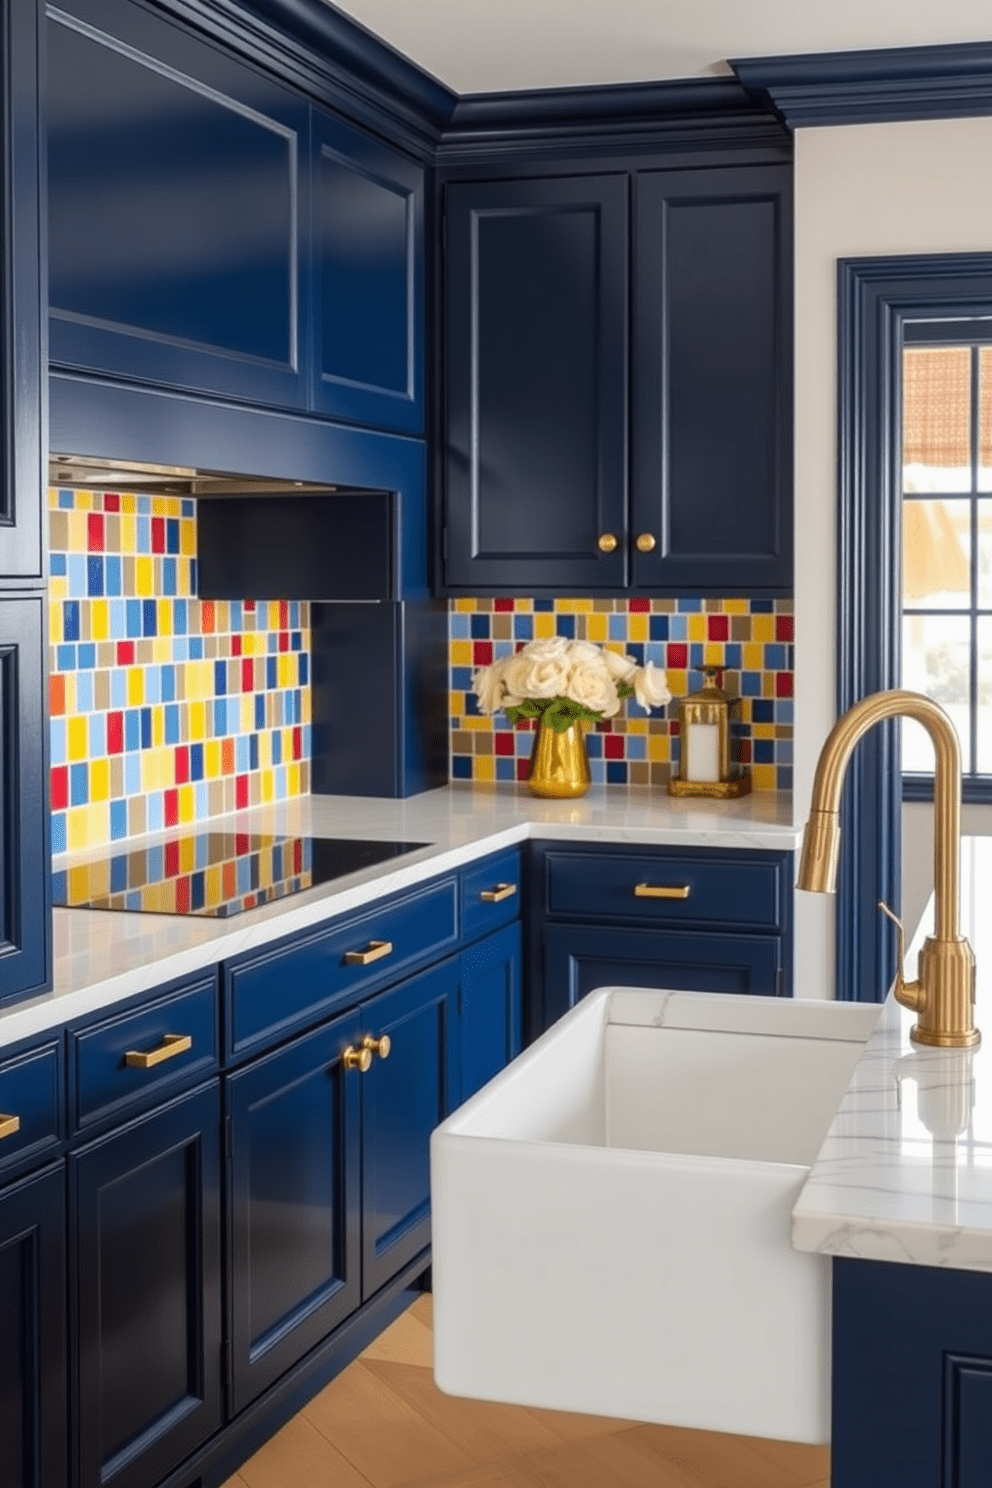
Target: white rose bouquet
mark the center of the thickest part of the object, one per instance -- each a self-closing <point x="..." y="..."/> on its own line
<point x="559" y="681"/>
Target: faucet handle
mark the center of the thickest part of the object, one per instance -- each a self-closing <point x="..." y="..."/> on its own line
<point x="910" y="994"/>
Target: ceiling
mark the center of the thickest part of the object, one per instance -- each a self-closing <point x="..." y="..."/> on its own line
<point x="481" y="46"/>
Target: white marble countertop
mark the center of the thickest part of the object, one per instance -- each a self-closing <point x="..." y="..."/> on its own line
<point x="102" y="957"/>
<point x="905" y="1172"/>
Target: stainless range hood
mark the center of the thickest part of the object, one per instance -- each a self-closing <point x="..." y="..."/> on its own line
<point x="88" y="473"/>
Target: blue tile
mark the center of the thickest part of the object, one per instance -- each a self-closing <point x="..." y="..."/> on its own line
<point x="192" y="575"/>
<point x="196" y="762"/>
<point x="220" y="717"/>
<point x="65" y="658"/>
<point x="79" y="784"/>
<point x="113" y="574"/>
<point x="97" y="735"/>
<point x="658" y="627"/>
<point x="458" y="626"/>
<point x="783" y="777"/>
<point x="241" y="754"/>
<point x="732" y="656"/>
<point x="565" y="626"/>
<point x="543" y="606"/>
<point x="56" y="741"/>
<point x="201" y="799"/>
<point x="187" y="507"/>
<point x="94" y="576"/>
<point x="70" y="620"/>
<point x="616" y="772"/>
<point x="763" y="711"/>
<point x="179" y="617"/>
<point x="155" y="807"/>
<point x="144" y="505"/>
<point x="149" y="617"/>
<point x="594" y="746"/>
<point x="118" y="820"/>
<point x="276" y="749"/>
<point x="168" y="684"/>
<point x="260" y="710"/>
<point x="480" y="627"/>
<point x="118" y="873"/>
<point x="506" y="768"/>
<point x="220" y="678"/>
<point x="774" y="658"/>
<point x="155" y="863"/>
<point x="697" y="655"/>
<point x="132" y="774"/>
<point x="678" y="628"/>
<point x="67" y="500"/>
<point x="762" y="606"/>
<point x="783" y="751"/>
<point x="689" y="606"/>
<point x="237" y="616"/>
<point x="172" y="534"/>
<point x="523" y="627"/>
<point x="197" y="890"/>
<point x="118" y="687"/>
<point x="461" y="678"/>
<point x="58" y="832"/>
<point x="196" y="648"/>
<point x="133" y="618"/>
<point x="304" y="678"/>
<point x="132" y="729"/>
<point x="617" y="627"/>
<point x="271" y="671"/>
<point x="144" y="534"/>
<point x="146" y="728"/>
<point x="56" y="565"/>
<point x="169" y="581"/>
<point x="763" y="751"/>
<point x="86" y="656"/>
<point x="76" y="575"/>
<point x="637" y="747"/>
<point x="784" y="710"/>
<point x="750" y="684"/>
<point x="84" y="692"/>
<point x="253" y="751"/>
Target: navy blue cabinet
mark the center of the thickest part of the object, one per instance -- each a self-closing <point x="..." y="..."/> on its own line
<point x="547" y="406"/>
<point x="368" y="279"/>
<point x="145" y="1290"/>
<point x="490" y="1007"/>
<point x="33" y="1332"/>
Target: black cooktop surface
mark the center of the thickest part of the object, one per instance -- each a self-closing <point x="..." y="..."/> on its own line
<point x="215" y="873"/>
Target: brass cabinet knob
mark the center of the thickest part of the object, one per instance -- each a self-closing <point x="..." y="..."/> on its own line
<point x="646" y="542"/>
<point x="607" y="542"/>
<point x="380" y="1045"/>
<point x="360" y="1059"/>
<point x="9" y="1125"/>
<point x="172" y="1044"/>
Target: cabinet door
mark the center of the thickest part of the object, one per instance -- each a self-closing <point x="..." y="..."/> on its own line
<point x="712" y="386"/>
<point x="578" y="959"/>
<point x="175" y="176"/>
<point x="294" y="1181"/>
<point x="22" y="369"/>
<point x="32" y="1333"/>
<point x="368" y="279"/>
<point x="146" y="1292"/>
<point x="536" y="383"/>
<point x="404" y="1096"/>
<point x="490" y="1007"/>
<point x="25" y="900"/>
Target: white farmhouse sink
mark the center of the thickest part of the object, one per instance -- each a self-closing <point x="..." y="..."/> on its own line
<point x="611" y="1214"/>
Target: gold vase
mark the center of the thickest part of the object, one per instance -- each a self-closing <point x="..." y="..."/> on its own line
<point x="559" y="765"/>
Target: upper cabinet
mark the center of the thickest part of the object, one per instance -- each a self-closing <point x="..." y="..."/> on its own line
<point x="211" y="230"/>
<point x="604" y="434"/>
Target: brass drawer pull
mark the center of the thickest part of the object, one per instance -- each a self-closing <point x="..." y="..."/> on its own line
<point x="499" y="893"/>
<point x="380" y="1045"/>
<point x="662" y="891"/>
<point x="374" y="951"/>
<point x="171" y="1045"/>
<point x="360" y="1059"/>
<point x="9" y="1125"/>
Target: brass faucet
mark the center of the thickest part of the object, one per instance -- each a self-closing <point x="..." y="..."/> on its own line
<point x="944" y="993"/>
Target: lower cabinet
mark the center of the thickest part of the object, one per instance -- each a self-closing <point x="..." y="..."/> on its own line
<point x="490" y="1007"/>
<point x="33" y="1447"/>
<point x="145" y="1290"/>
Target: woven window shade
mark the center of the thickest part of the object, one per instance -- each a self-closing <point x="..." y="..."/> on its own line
<point x="937" y="406"/>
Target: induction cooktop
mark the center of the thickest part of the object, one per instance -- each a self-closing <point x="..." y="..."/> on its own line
<point x="215" y="873"/>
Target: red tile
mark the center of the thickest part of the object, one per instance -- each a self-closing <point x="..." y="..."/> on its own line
<point x="745" y="751"/>
<point x="249" y="605"/>
<point x="171" y="859"/>
<point x="170" y="802"/>
<point x="158" y="534"/>
<point x="242" y="843"/>
<point x="125" y="653"/>
<point x="247" y="675"/>
<point x="678" y="656"/>
<point x="94" y="532"/>
<point x="115" y="733"/>
<point x="241" y="791"/>
<point x="182" y="764"/>
<point x="297" y="856"/>
<point x="297" y="743"/>
<point x="284" y="640"/>
<point x="638" y="606"/>
<point x="783" y="684"/>
<point x="56" y="694"/>
<point x="60" y="787"/>
<point x="785" y="628"/>
<point x="206" y="615"/>
<point x="613" y="747"/>
<point x="718" y="627"/>
<point x="111" y="502"/>
<point x="182" y="894"/>
<point x="283" y="614"/>
<point x="503" y="743"/>
<point x="523" y="769"/>
<point x="482" y="653"/>
<point x="501" y="606"/>
<point x="235" y="645"/>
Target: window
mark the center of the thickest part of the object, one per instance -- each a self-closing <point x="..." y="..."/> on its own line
<point x="947" y="541"/>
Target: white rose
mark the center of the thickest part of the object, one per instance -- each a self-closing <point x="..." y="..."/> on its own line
<point x="619" y="665"/>
<point x="489" y="688"/>
<point x="650" y="688"/>
<point x="585" y="653"/>
<point x="546" y="647"/>
<point x="542" y="676"/>
<point x="593" y="688"/>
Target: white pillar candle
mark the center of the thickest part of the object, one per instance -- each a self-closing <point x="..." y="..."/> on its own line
<point x="703" y="762"/>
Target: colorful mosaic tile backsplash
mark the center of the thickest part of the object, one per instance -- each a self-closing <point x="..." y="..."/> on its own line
<point x="750" y="639"/>
<point x="165" y="709"/>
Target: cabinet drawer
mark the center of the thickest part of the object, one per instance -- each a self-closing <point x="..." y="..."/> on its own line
<point x="288" y="986"/>
<point x="491" y="893"/>
<point x="677" y="888"/>
<point x="126" y="1061"/>
<point x="30" y="1105"/>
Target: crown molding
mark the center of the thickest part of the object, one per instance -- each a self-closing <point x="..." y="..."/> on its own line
<point x="871" y="87"/>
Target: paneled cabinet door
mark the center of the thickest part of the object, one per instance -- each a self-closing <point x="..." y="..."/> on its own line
<point x="490" y="1007"/>
<point x="22" y="370"/>
<point x="175" y="176"/>
<point x="145" y="1281"/>
<point x="294" y="1194"/>
<point x="579" y="958"/>
<point x="405" y="1094"/>
<point x="368" y="279"/>
<point x="536" y="384"/>
<point x="711" y="484"/>
<point x="33" y="1451"/>
<point x="25" y="914"/>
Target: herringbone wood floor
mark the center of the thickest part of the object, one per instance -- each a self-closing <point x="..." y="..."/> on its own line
<point x="383" y="1423"/>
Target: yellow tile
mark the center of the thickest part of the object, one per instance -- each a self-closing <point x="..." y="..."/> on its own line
<point x="678" y="682"/>
<point x="211" y="751"/>
<point x="58" y="588"/>
<point x="293" y="779"/>
<point x="164" y="626"/>
<point x="54" y="620"/>
<point x="763" y="777"/>
<point x="187" y="537"/>
<point x="187" y="803"/>
<point x="735" y="607"/>
<point x="196" y="723"/>
<point x="77" y="827"/>
<point x="658" y="747"/>
<point x="697" y="627"/>
<point x="77" y="531"/>
<point x="100" y="780"/>
<point x="77" y="732"/>
<point x="80" y="883"/>
<point x="465" y="606"/>
<point x="128" y="529"/>
<point x="83" y="500"/>
<point x="287" y="670"/>
<point x="768" y="684"/>
<point x="753" y="655"/>
<point x="135" y="686"/>
<point x="544" y="625"/>
<point x="484" y="767"/>
<point x="637" y="628"/>
<point x="144" y="576"/>
<point x="99" y="619"/>
<point x="305" y="702"/>
<point x="713" y="654"/>
<point x="184" y="579"/>
<point x="247" y="714"/>
<point x="161" y="505"/>
<point x="53" y="496"/>
<point x="470" y="722"/>
<point x="461" y="653"/>
<point x="213" y="883"/>
<point x="268" y="785"/>
<point x="597" y="629"/>
<point x="762" y="627"/>
<point x="763" y="730"/>
<point x="129" y="503"/>
<point x="265" y="750"/>
<point x="638" y="725"/>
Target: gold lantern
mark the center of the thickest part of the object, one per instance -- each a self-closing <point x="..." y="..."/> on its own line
<point x="704" y="765"/>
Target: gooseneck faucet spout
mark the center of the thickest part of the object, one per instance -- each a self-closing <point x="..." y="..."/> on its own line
<point x="944" y="993"/>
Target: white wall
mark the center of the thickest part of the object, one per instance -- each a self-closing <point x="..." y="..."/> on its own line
<point x="867" y="189"/>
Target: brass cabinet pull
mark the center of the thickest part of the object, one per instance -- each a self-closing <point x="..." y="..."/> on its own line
<point x="607" y="542"/>
<point x="380" y="1045"/>
<point x="9" y="1125"/>
<point x="374" y="951"/>
<point x="171" y="1045"/>
<point x="662" y="891"/>
<point x="360" y="1059"/>
<point x="499" y="893"/>
<point x="646" y="542"/>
